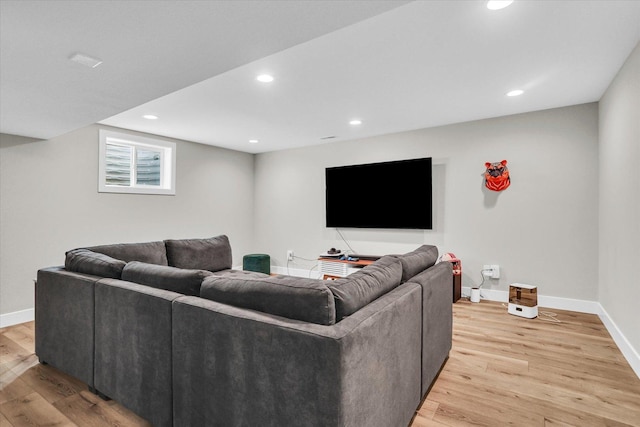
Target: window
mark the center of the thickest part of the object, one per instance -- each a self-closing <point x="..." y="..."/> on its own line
<point x="134" y="164"/>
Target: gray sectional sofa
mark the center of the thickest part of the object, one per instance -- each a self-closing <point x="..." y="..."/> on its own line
<point x="170" y="331"/>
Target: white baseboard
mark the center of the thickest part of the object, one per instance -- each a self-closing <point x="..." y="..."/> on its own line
<point x="621" y="341"/>
<point x="581" y="306"/>
<point x="17" y="317"/>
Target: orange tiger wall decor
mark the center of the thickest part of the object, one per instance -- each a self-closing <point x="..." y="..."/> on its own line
<point x="496" y="177"/>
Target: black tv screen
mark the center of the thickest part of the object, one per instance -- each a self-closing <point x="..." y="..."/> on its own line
<point x="380" y="195"/>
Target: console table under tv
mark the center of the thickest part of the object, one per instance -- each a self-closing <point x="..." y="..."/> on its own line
<point x="334" y="268"/>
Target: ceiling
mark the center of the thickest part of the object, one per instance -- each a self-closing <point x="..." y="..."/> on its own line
<point x="394" y="65"/>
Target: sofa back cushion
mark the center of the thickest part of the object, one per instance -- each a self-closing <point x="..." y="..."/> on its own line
<point x="95" y="263"/>
<point x="417" y="261"/>
<point x="296" y="298"/>
<point x="360" y="288"/>
<point x="186" y="282"/>
<point x="212" y="254"/>
<point x="150" y="252"/>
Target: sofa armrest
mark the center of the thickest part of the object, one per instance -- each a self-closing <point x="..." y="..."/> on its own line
<point x="133" y="347"/>
<point x="234" y="366"/>
<point x="437" y="319"/>
<point x="64" y="321"/>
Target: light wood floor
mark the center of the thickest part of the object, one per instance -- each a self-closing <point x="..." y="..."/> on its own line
<point x="502" y="370"/>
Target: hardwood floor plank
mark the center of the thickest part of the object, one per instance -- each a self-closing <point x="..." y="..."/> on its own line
<point x="4" y="422"/>
<point x="18" y="366"/>
<point x="87" y="409"/>
<point x="458" y="415"/>
<point x="563" y="394"/>
<point x="13" y="389"/>
<point x="23" y="336"/>
<point x="11" y="386"/>
<point x="33" y="410"/>
<point x="514" y="401"/>
<point x="31" y="325"/>
<point x="502" y="407"/>
<point x="11" y="351"/>
<point x="427" y="410"/>
<point x="52" y="384"/>
<point x="589" y="379"/>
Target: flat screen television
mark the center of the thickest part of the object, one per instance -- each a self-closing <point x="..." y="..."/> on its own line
<point x="393" y="194"/>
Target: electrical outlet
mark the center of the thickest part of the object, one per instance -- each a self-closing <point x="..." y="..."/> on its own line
<point x="487" y="271"/>
<point x="289" y="255"/>
<point x="492" y="271"/>
<point x="496" y="271"/>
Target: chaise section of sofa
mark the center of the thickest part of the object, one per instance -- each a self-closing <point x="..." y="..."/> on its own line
<point x="235" y="366"/>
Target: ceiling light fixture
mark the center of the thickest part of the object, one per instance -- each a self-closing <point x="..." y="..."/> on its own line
<point x="150" y="117"/>
<point x="253" y="141"/>
<point x="355" y="122"/>
<point x="498" y="4"/>
<point x="516" y="92"/>
<point x="265" y="78"/>
<point x="85" y="60"/>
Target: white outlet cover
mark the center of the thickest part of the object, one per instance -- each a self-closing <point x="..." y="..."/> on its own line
<point x="496" y="271"/>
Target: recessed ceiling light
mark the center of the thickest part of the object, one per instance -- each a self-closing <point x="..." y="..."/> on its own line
<point x="355" y="122"/>
<point x="85" y="60"/>
<point x="498" y="4"/>
<point x="265" y="78"/>
<point x="150" y="117"/>
<point x="253" y="141"/>
<point x="516" y="92"/>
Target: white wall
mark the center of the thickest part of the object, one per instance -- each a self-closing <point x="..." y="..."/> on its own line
<point x="619" y="283"/>
<point x="49" y="204"/>
<point x="543" y="230"/>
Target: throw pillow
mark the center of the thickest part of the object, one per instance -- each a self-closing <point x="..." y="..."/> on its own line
<point x="212" y="254"/>
<point x="173" y="279"/>
<point x="88" y="262"/>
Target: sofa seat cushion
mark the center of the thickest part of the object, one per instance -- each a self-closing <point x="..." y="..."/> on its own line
<point x="360" y="288"/>
<point x="212" y="254"/>
<point x="417" y="261"/>
<point x="239" y="273"/>
<point x="150" y="252"/>
<point x="184" y="281"/>
<point x="296" y="298"/>
<point x="95" y="263"/>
